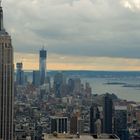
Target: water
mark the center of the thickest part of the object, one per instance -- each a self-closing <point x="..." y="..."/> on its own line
<point x="129" y="93"/>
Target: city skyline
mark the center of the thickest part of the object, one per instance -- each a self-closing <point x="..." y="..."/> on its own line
<point x="43" y="104"/>
<point x="78" y="34"/>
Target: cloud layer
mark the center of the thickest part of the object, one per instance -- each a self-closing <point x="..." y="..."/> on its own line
<point x="83" y="28"/>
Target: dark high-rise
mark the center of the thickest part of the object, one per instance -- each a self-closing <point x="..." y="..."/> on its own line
<point x="108" y="110"/>
<point x="94" y="115"/>
<point x="6" y="83"/>
<point x="42" y="65"/>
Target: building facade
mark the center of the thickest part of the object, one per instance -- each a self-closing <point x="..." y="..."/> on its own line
<point x="59" y="82"/>
<point x="76" y="125"/>
<point x="120" y="122"/>
<point x="59" y="124"/>
<point x="36" y="77"/>
<point x="6" y="83"/>
<point x="108" y="113"/>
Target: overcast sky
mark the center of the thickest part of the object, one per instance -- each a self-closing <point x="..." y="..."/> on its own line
<point x="78" y="34"/>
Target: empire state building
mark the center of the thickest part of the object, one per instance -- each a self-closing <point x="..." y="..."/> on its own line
<point x="6" y="83"/>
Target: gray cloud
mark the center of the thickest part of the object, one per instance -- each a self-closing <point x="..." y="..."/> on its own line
<point x="74" y="27"/>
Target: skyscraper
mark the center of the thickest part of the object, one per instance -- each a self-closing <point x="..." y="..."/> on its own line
<point x="108" y="110"/>
<point x="19" y="74"/>
<point x="42" y="65"/>
<point x="94" y="116"/>
<point x="6" y="83"/>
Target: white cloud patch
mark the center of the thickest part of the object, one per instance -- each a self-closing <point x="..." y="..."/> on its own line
<point x="133" y="5"/>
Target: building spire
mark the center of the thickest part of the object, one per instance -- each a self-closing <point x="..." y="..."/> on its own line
<point x="1" y="17"/>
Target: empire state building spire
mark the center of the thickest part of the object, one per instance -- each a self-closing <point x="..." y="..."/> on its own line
<point x="1" y="17"/>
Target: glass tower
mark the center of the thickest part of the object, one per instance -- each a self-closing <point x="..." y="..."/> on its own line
<point x="6" y="83"/>
<point x="42" y="65"/>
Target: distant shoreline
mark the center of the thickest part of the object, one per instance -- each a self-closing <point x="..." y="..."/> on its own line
<point x="115" y="83"/>
<point x="95" y="74"/>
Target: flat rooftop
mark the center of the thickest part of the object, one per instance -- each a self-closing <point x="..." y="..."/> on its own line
<point x="82" y="137"/>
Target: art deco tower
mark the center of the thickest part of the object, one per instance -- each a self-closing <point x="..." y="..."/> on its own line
<point x="6" y="83"/>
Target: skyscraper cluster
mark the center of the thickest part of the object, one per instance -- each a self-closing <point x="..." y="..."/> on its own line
<point x="39" y="76"/>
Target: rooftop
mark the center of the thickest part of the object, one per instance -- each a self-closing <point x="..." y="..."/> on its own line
<point x="58" y="117"/>
<point x="106" y="137"/>
<point x="82" y="137"/>
<point x="120" y="107"/>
